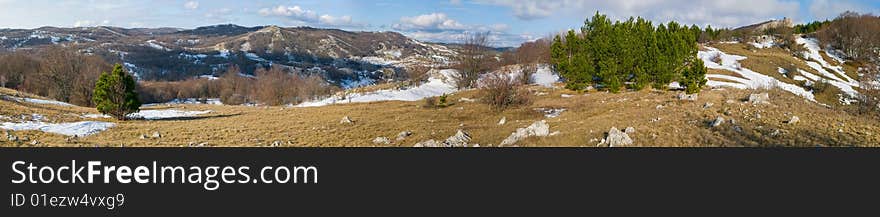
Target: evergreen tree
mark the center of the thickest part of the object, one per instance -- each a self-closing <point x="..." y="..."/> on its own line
<point x="694" y="78"/>
<point x="115" y="94"/>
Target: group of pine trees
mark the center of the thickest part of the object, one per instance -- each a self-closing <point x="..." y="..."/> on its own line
<point x="632" y="54"/>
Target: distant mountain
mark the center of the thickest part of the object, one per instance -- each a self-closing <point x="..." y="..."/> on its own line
<point x="175" y="54"/>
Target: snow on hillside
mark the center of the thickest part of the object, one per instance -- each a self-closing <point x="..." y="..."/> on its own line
<point x="436" y="86"/>
<point x="166" y="114"/>
<point x="80" y="129"/>
<point x="819" y="63"/>
<point x="749" y="80"/>
<point x="37" y="101"/>
<point x="545" y="76"/>
<point x="208" y="101"/>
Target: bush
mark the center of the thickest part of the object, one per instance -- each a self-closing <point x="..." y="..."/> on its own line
<point x="115" y="94"/>
<point x="502" y="91"/>
<point x="436" y="101"/>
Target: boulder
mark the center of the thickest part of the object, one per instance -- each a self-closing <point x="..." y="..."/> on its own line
<point x="759" y="98"/>
<point x="616" y="138"/>
<point x="403" y="135"/>
<point x="460" y="139"/>
<point x="381" y="141"/>
<point x="794" y="120"/>
<point x="35" y="142"/>
<point x="687" y="97"/>
<point x="708" y="105"/>
<point x="429" y="144"/>
<point x="717" y="122"/>
<point x="157" y="135"/>
<point x="629" y="130"/>
<point x="539" y="128"/>
<point x="346" y="120"/>
<point x="502" y="121"/>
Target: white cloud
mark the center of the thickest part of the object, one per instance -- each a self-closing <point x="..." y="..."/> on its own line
<point x="299" y="14"/>
<point x="192" y="5"/>
<point x="824" y="9"/>
<point x="429" y="22"/>
<point x="717" y="12"/>
<point x="439" y="27"/>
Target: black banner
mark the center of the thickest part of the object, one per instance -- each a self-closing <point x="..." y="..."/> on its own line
<point x="414" y="182"/>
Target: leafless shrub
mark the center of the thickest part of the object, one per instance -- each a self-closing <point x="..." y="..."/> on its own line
<point x="473" y="59"/>
<point x="501" y="91"/>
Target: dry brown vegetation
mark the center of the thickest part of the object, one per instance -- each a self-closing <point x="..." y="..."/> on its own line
<point x="659" y="120"/>
<point x="56" y="72"/>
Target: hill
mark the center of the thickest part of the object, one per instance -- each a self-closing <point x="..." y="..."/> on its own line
<point x="168" y="54"/>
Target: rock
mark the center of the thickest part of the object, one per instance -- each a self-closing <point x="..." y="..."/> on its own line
<point x="502" y="121"/>
<point x="794" y="120"/>
<point x="708" y="105"/>
<point x="157" y="135"/>
<point x="566" y="95"/>
<point x="629" y="130"/>
<point x="730" y="101"/>
<point x="143" y="136"/>
<point x="12" y="138"/>
<point x="381" y="141"/>
<point x="775" y="133"/>
<point x="71" y="139"/>
<point x="464" y="99"/>
<point x="429" y="144"/>
<point x="35" y="142"/>
<point x="554" y="133"/>
<point x="403" y="135"/>
<point x="460" y="139"/>
<point x="346" y="120"/>
<point x="717" y="122"/>
<point x="759" y="98"/>
<point x="687" y="97"/>
<point x="276" y="143"/>
<point x="616" y="138"/>
<point x="539" y="128"/>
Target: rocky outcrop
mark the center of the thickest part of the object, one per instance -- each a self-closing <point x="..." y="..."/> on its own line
<point x="617" y="138"/>
<point x="539" y="128"/>
<point x="759" y="98"/>
<point x="460" y="139"/>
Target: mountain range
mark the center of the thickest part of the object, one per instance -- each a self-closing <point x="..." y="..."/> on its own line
<point x="168" y="54"/>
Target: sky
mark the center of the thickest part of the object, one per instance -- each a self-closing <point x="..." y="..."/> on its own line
<point x="510" y="22"/>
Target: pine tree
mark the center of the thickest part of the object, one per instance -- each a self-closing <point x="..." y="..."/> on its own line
<point x="115" y="94"/>
<point x="694" y="78"/>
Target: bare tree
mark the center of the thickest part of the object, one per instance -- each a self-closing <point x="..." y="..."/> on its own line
<point x="417" y="74"/>
<point x="473" y="59"/>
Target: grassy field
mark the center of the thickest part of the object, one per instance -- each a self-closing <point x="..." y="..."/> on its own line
<point x="659" y="118"/>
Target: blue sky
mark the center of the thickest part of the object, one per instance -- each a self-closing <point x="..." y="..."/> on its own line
<point x="510" y="21"/>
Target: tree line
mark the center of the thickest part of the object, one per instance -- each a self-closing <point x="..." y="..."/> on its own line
<point x="631" y="54"/>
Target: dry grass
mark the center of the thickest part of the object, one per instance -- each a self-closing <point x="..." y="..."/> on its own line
<point x="589" y="116"/>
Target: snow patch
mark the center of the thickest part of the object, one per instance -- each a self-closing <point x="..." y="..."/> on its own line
<point x="437" y="85"/>
<point x="545" y="76"/>
<point x="80" y="129"/>
<point x="38" y="101"/>
<point x="165" y="114"/>
<point x="749" y="80"/>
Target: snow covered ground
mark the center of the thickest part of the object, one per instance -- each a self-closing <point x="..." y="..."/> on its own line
<point x="188" y="101"/>
<point x="166" y="114"/>
<point x="439" y="84"/>
<point x="38" y="101"/>
<point x="749" y="79"/>
<point x="80" y="129"/>
<point x="545" y="76"/>
<point x="436" y="86"/>
<point x="836" y="76"/>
